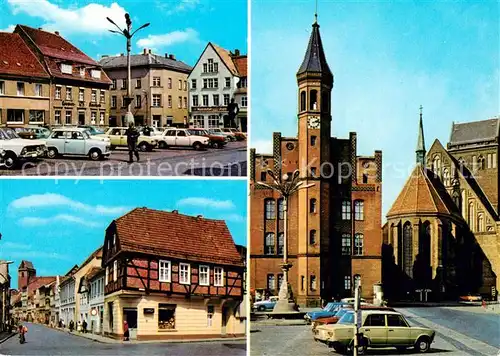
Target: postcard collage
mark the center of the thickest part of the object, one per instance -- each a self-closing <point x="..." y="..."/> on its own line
<point x="249" y="177"/>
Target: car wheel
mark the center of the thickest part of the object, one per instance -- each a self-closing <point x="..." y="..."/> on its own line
<point x="162" y="144"/>
<point x="261" y="308"/>
<point x="10" y="160"/>
<point x="197" y="146"/>
<point x="95" y="154"/>
<point x="144" y="146"/>
<point x="361" y="348"/>
<point x="52" y="152"/>
<point x="339" y="349"/>
<point x="423" y="344"/>
<point x="216" y="145"/>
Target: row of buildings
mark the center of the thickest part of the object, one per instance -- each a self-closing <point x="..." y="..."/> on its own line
<point x="45" y="80"/>
<point x="156" y="272"/>
<point x="442" y="233"/>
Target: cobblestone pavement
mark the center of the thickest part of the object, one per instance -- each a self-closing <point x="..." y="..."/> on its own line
<point x="230" y="160"/>
<point x="453" y="335"/>
<point x="41" y="340"/>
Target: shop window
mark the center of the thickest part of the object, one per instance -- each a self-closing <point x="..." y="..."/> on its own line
<point x="166" y="316"/>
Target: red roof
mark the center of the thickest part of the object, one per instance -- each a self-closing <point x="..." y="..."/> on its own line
<point x="169" y="234"/>
<point x="241" y="65"/>
<point x="38" y="282"/>
<point x="17" y="59"/>
<point x="57" y="50"/>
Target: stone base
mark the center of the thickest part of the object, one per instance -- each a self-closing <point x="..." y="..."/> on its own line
<point x="284" y="306"/>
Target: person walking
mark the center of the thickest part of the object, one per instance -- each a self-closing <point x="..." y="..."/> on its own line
<point x="71" y="325"/>
<point x="84" y="326"/>
<point x="132" y="137"/>
<point x="126" y="333"/>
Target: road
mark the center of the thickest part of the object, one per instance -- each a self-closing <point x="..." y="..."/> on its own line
<point x="45" y="341"/>
<point x="459" y="331"/>
<point x="228" y="161"/>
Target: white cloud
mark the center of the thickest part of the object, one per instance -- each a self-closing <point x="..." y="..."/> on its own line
<point x="57" y="200"/>
<point x="206" y="202"/>
<point x="61" y="218"/>
<point x="9" y="28"/>
<point x="89" y="19"/>
<point x="168" y="39"/>
<point x="181" y="6"/>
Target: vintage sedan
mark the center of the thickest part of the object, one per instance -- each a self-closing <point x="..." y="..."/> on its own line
<point x="215" y="141"/>
<point x="264" y="305"/>
<point x="182" y="138"/>
<point x="340" y="313"/>
<point x="380" y="329"/>
<point x="76" y="142"/>
<point x="329" y="310"/>
<point x="16" y="149"/>
<point x="218" y="131"/>
<point x="118" y="138"/>
<point x="240" y="136"/>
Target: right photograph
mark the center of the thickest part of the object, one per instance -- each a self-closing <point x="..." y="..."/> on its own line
<point x="374" y="183"/>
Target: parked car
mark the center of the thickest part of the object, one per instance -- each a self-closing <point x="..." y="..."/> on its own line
<point x="229" y="135"/>
<point x="118" y="138"/>
<point x="92" y="130"/>
<point x="264" y="305"/>
<point x="240" y="136"/>
<point x="16" y="149"/>
<point x="329" y="310"/>
<point x="181" y="138"/>
<point x="215" y="141"/>
<point x="471" y="298"/>
<point x="76" y="142"/>
<point x="380" y="329"/>
<point x="341" y="312"/>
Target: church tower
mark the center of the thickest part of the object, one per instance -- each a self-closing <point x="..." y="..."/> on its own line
<point x="25" y="274"/>
<point x="315" y="82"/>
<point x="420" y="152"/>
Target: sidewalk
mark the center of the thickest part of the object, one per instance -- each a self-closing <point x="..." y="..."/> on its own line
<point x="5" y="335"/>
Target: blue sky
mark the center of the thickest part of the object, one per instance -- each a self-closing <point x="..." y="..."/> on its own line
<point x="179" y="27"/>
<point x="57" y="224"/>
<point x="388" y="58"/>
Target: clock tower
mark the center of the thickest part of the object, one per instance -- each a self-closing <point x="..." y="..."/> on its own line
<point x="315" y="82"/>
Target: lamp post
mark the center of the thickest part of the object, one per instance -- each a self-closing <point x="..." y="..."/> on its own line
<point x="129" y="117"/>
<point x="286" y="186"/>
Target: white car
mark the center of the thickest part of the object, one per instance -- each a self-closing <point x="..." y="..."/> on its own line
<point x="76" y="142"/>
<point x="16" y="149"/>
<point x="182" y="138"/>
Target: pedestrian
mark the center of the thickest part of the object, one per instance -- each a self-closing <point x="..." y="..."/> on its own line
<point x="132" y="137"/>
<point x="126" y="332"/>
<point x="79" y="326"/>
<point x="84" y="326"/>
<point x="71" y="325"/>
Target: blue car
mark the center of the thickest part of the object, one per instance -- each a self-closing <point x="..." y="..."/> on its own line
<point x="329" y="310"/>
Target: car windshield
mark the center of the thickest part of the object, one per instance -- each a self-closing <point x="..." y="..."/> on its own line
<point x="347" y="318"/>
<point x="86" y="134"/>
<point x="341" y="313"/>
<point x="330" y="307"/>
<point x="8" y="134"/>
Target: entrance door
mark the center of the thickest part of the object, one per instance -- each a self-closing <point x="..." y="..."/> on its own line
<point x="226" y="313"/>
<point x="81" y="118"/>
<point x="243" y="124"/>
<point x="130" y="316"/>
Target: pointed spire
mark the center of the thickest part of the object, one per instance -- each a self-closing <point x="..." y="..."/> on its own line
<point x="421" y="141"/>
<point x="314" y="58"/>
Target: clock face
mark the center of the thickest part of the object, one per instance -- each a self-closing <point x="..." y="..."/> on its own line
<point x="313" y="122"/>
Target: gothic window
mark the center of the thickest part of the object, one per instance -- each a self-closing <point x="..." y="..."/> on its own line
<point x="358" y="244"/>
<point x="407" y="249"/>
<point x="456" y="199"/>
<point x="312" y="237"/>
<point x="325" y="101"/>
<point x="312" y="205"/>
<point x="346" y="210"/>
<point x="346" y="244"/>
<point x="302" y="101"/>
<point x="313" y="140"/>
<point x="446" y="177"/>
<point x="313" y="283"/>
<point x="313" y="100"/>
<point x="461" y="164"/>
<point x="281" y="243"/>
<point x="359" y="208"/>
<point x="425" y="244"/>
<point x="481" y="163"/>
<point x="436" y="165"/>
<point x="269" y="244"/>
<point x="470" y="216"/>
<point x="270" y="209"/>
<point x="480" y="223"/>
<point x="474" y="163"/>
<point x="281" y="208"/>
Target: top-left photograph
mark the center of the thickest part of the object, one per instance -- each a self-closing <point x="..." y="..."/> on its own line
<point x="124" y="88"/>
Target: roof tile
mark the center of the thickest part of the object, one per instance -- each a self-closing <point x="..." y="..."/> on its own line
<point x="17" y="59"/>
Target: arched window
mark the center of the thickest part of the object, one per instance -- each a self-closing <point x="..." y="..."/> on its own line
<point x="446" y="177"/>
<point x="474" y="163"/>
<point x="358" y="244"/>
<point x="269" y="244"/>
<point x="424" y="249"/>
<point x="270" y="209"/>
<point x="281" y="208"/>
<point x="359" y="210"/>
<point x="281" y="243"/>
<point x="456" y="199"/>
<point x="481" y="163"/>
<point x="463" y="202"/>
<point x="470" y="216"/>
<point x="313" y="100"/>
<point x="480" y="222"/>
<point x="303" y="101"/>
<point x="461" y="164"/>
<point x="313" y="283"/>
<point x="436" y="165"/>
<point x="312" y="205"/>
<point x="346" y="210"/>
<point x="325" y="101"/>
<point x="407" y="249"/>
<point x="312" y="237"/>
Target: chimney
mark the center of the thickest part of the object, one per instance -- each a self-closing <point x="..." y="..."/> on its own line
<point x="40" y="28"/>
<point x="149" y="51"/>
<point x="166" y="55"/>
<point x="236" y="52"/>
<point x="145" y="51"/>
<point x="57" y="33"/>
<point x="199" y="216"/>
<point x="175" y="211"/>
<point x="171" y="56"/>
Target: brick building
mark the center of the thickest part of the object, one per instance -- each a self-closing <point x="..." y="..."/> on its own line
<point x="443" y="230"/>
<point x="334" y="233"/>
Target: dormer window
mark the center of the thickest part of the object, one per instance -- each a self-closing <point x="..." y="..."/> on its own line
<point x="66" y="68"/>
<point x="95" y="73"/>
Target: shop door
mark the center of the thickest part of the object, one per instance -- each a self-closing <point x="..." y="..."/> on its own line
<point x="225" y="318"/>
<point x="130" y="316"/>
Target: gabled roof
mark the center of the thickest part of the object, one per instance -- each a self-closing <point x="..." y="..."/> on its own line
<point x="314" y="58"/>
<point x="225" y="56"/>
<point x="420" y="195"/>
<point x="17" y="59"/>
<point x="474" y="132"/>
<point x="170" y="234"/>
<point x="96" y="254"/>
<point x="26" y="264"/>
<point x="148" y="59"/>
<point x="38" y="282"/>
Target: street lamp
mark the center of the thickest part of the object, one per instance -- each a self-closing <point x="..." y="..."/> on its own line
<point x="286" y="186"/>
<point x="129" y="117"/>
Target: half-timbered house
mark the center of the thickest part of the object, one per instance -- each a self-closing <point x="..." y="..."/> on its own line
<point x="171" y="276"/>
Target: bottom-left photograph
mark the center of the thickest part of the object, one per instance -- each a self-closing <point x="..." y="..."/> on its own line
<point x="123" y="266"/>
